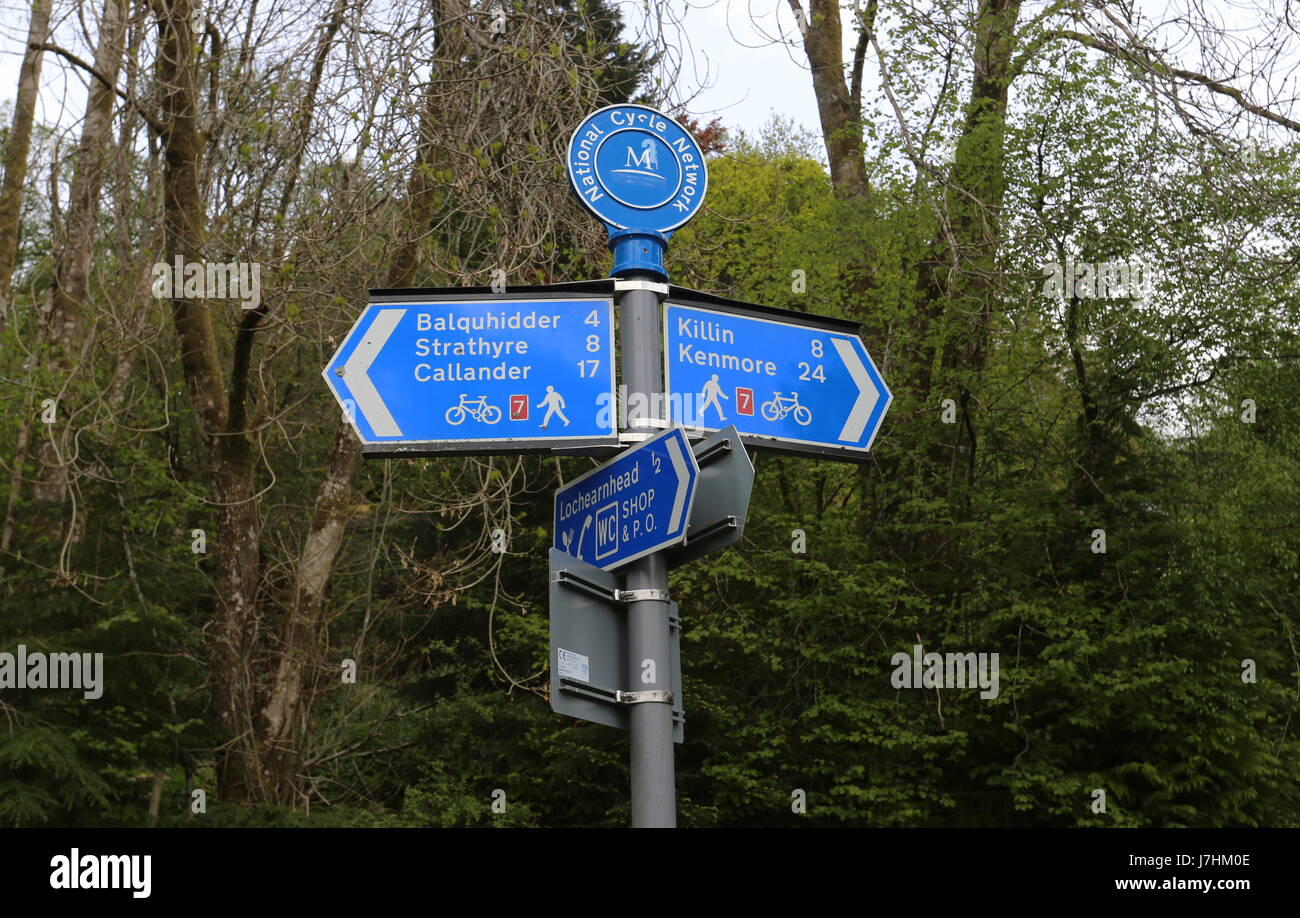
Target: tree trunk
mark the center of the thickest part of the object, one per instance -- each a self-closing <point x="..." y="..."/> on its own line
<point x="72" y="262"/>
<point x="841" y="118"/>
<point x="974" y="206"/>
<point x="16" y="149"/>
<point x="298" y="674"/>
<point x="71" y="279"/>
<point x="236" y="560"/>
<point x="953" y="281"/>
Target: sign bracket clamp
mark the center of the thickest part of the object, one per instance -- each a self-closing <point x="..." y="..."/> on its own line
<point x="652" y="696"/>
<point x="575" y="581"/>
<point x="713" y="451"/>
<point x="709" y="529"/>
<point x="614" y="696"/>
<point x="641" y="596"/>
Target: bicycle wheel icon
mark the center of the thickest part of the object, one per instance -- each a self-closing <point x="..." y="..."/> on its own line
<point x="491" y="414"/>
<point x="802" y="415"/>
<point x="456" y="414"/>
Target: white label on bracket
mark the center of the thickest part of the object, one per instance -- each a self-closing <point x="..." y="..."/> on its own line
<point x="573" y="665"/>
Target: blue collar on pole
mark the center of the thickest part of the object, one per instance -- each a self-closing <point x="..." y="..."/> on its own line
<point x="638" y="250"/>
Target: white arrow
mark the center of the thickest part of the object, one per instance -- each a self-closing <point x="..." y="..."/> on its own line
<point x="683" y="476"/>
<point x="357" y="373"/>
<point x="868" y="395"/>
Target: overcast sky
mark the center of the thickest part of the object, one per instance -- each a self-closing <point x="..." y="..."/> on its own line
<point x="742" y="60"/>
<point x="748" y="76"/>
<point x="745" y="62"/>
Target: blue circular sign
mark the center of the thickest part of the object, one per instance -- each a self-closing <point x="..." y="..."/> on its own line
<point x="636" y="168"/>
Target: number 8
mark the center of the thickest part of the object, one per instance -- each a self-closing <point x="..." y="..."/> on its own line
<point x="817" y="347"/>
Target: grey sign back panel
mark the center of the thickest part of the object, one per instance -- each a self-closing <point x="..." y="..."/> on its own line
<point x="584" y="623"/>
<point x="587" y="622"/>
<point x="721" y="497"/>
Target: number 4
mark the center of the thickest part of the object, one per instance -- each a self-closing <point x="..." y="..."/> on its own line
<point x="593" y="318"/>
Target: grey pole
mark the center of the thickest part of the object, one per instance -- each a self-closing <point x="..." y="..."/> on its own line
<point x="654" y="800"/>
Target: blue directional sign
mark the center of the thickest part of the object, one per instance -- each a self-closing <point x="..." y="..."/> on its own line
<point x="490" y="373"/>
<point x="631" y="506"/>
<point x="803" y="387"/>
<point x="636" y="168"/>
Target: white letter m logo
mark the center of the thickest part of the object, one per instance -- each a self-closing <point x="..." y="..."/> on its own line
<point x="649" y="158"/>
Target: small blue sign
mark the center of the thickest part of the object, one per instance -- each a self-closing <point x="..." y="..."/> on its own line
<point x="631" y="506"/>
<point x="637" y="169"/>
<point x="496" y="371"/>
<point x="791" y="382"/>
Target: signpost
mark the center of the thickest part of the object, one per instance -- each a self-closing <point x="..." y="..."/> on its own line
<point x="491" y="374"/>
<point x="631" y="506"/>
<point x="794" y="383"/>
<point x="424" y="373"/>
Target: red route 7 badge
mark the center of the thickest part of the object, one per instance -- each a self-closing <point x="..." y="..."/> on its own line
<point x="744" y="401"/>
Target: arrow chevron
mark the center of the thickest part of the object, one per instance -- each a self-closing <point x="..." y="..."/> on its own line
<point x="674" y="447"/>
<point x="868" y="394"/>
<point x="356" y="373"/>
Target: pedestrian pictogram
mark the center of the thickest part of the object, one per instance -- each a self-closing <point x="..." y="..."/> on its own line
<point x="553" y="402"/>
<point x="709" y="394"/>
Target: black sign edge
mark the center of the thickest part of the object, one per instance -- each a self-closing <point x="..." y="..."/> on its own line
<point x="685" y="296"/>
<point x="834" y="453"/>
<point x="592" y="448"/>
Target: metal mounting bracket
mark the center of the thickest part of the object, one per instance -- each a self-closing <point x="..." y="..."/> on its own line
<point x="655" y="696"/>
<point x="703" y="532"/>
<point x="576" y="581"/>
<point x="621" y="284"/>
<point x="641" y="595"/>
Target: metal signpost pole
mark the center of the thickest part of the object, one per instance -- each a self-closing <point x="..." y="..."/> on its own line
<point x="654" y="801"/>
<point x="643" y="175"/>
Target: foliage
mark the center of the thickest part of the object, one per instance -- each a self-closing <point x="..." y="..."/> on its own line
<point x="1120" y="670"/>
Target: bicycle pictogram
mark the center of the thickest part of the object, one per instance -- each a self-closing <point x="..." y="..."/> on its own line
<point x="477" y="408"/>
<point x="782" y="405"/>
